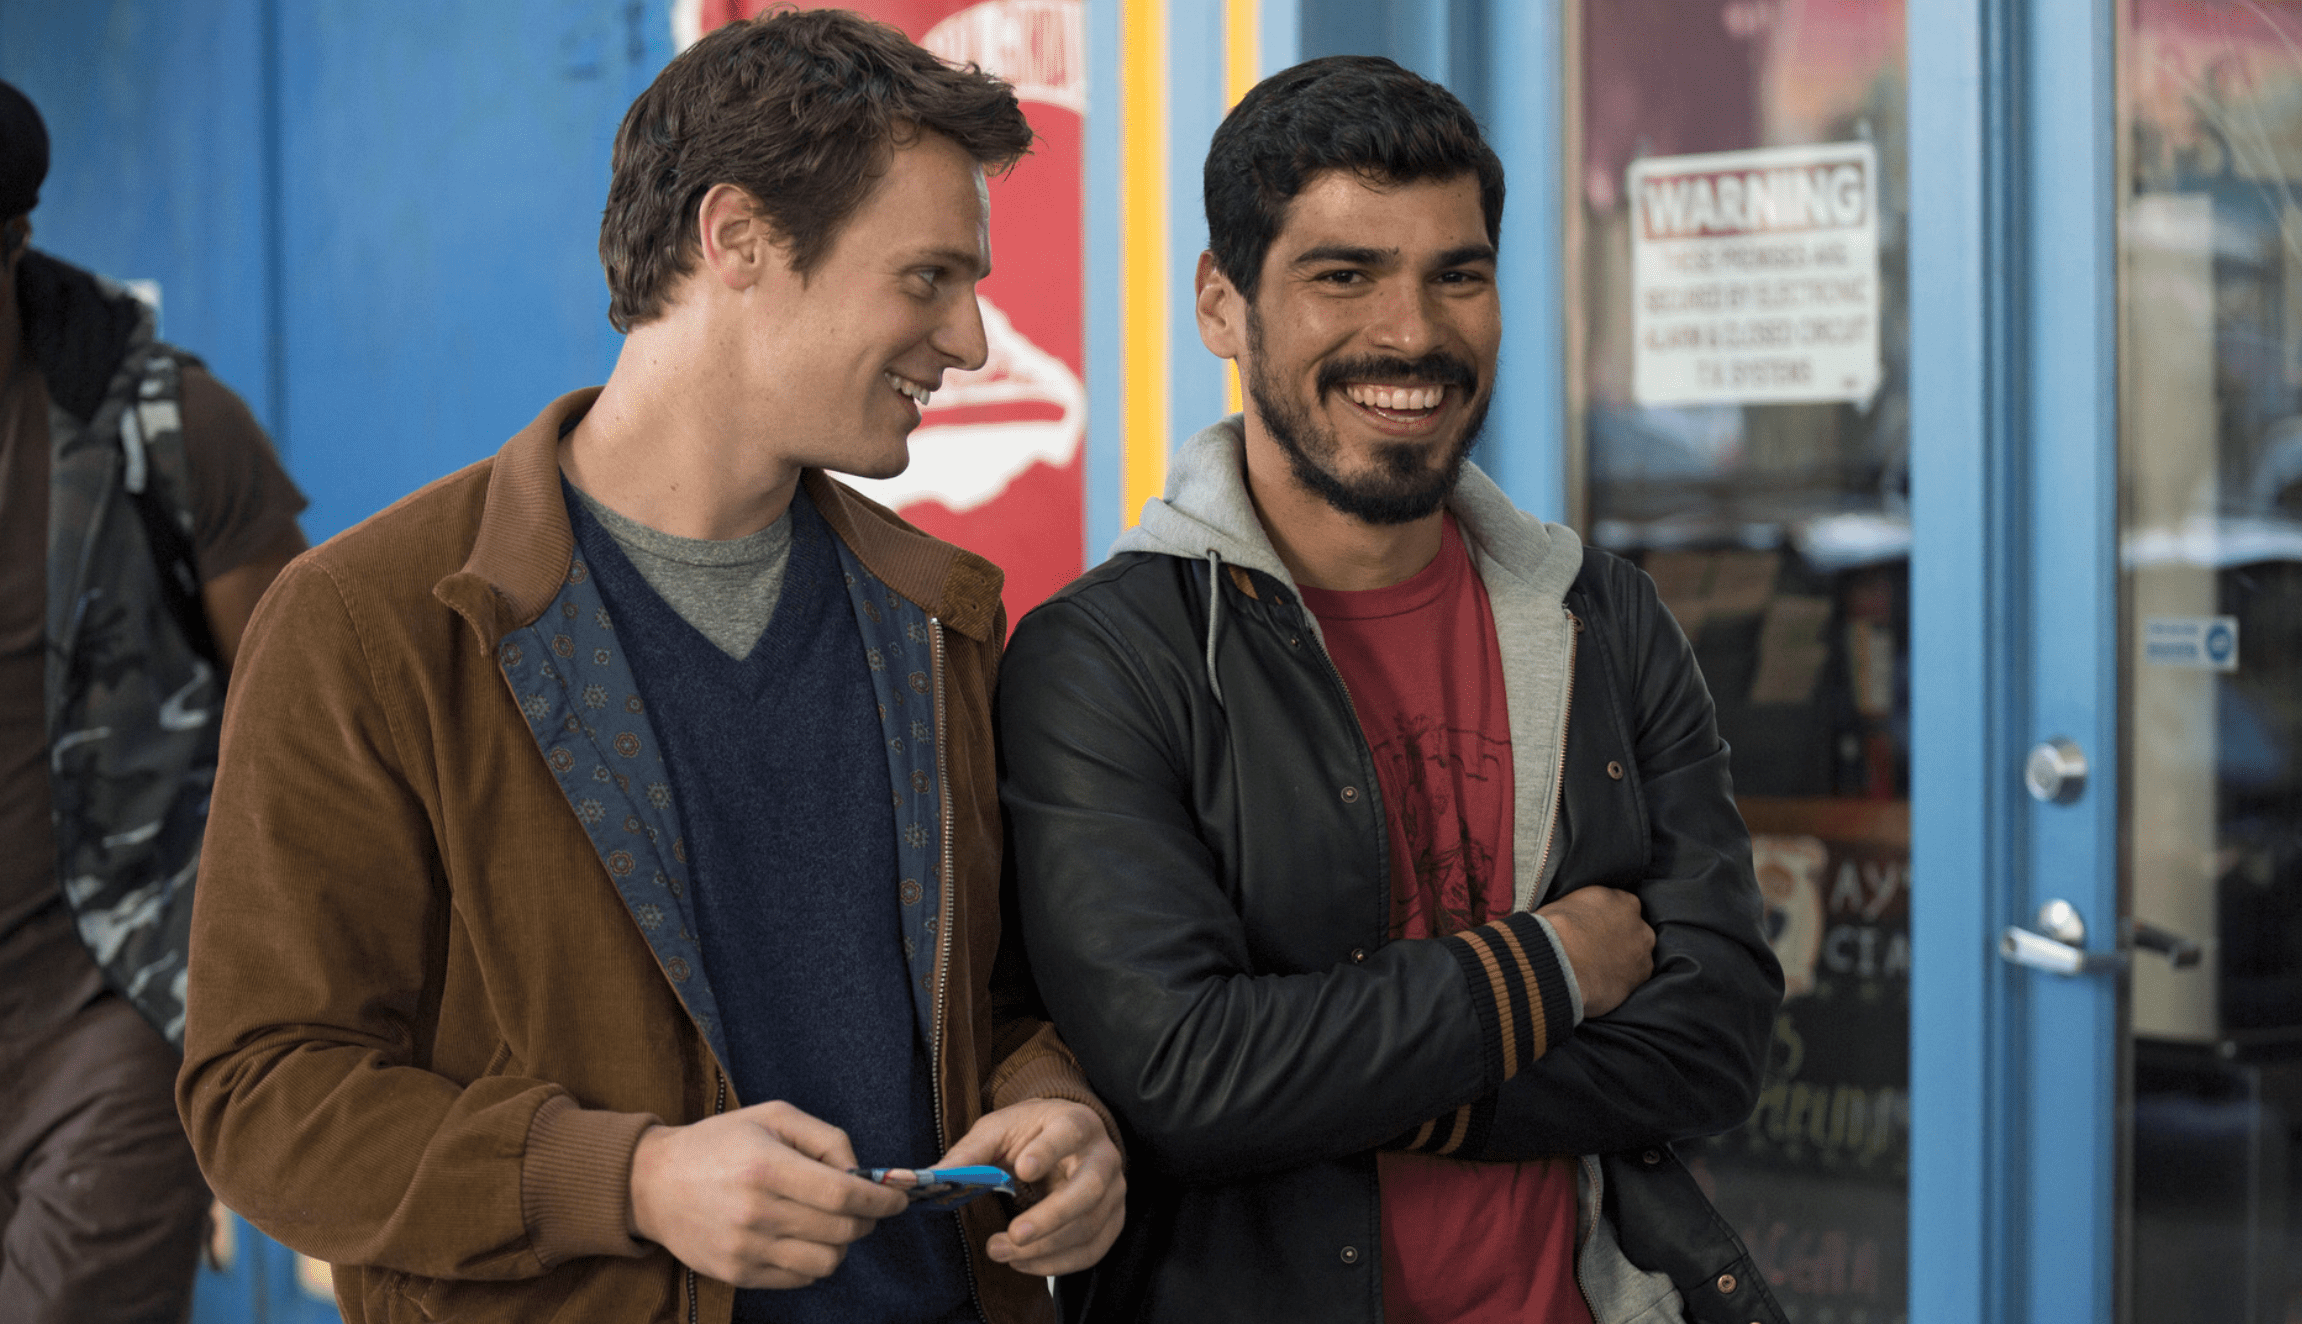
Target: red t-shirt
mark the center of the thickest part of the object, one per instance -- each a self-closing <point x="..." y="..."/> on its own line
<point x="1478" y="1242"/>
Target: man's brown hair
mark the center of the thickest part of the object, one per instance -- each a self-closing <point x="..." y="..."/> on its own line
<point x="801" y="110"/>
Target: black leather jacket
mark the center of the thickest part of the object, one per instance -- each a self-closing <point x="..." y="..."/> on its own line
<point x="1205" y="910"/>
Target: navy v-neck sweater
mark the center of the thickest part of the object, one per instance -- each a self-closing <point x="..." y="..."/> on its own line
<point x="780" y="785"/>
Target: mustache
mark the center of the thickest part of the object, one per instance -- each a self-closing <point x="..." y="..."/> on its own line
<point x="1438" y="367"/>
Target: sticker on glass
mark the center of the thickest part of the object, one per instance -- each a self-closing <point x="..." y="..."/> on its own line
<point x="2200" y="643"/>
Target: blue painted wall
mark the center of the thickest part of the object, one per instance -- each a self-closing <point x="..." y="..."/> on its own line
<point x="155" y="117"/>
<point x="443" y="167"/>
<point x="379" y="223"/>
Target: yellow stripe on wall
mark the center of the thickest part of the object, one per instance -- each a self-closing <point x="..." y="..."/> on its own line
<point x="1242" y="60"/>
<point x="1242" y="48"/>
<point x="1143" y="252"/>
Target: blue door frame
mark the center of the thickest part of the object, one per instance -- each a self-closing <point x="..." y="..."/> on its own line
<point x="2014" y="626"/>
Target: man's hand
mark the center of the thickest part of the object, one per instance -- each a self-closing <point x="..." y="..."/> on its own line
<point x="1062" y="1147"/>
<point x="759" y="1197"/>
<point x="1609" y="945"/>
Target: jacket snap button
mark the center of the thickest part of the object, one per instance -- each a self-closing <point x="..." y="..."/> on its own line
<point x="1726" y="1284"/>
<point x="1358" y="954"/>
<point x="1350" y="1254"/>
<point x="1615" y="770"/>
<point x="1651" y="1157"/>
<point x="1350" y="795"/>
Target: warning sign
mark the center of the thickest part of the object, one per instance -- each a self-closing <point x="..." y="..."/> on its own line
<point x="1754" y="276"/>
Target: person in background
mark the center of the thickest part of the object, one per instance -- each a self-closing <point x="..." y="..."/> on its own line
<point x="1376" y="847"/>
<point x="606" y="853"/>
<point x="142" y="514"/>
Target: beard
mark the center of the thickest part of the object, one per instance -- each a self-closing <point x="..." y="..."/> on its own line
<point x="1403" y="486"/>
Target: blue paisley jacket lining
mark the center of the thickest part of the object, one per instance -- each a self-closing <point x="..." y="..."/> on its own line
<point x="576" y="689"/>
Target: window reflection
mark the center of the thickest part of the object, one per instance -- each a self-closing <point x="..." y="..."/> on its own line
<point x="1743" y="404"/>
<point x="2211" y="414"/>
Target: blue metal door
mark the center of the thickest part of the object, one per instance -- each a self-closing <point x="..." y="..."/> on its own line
<point x="2107" y="486"/>
<point x="2014" y="625"/>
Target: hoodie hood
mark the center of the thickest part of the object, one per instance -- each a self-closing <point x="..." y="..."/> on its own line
<point x="1207" y="509"/>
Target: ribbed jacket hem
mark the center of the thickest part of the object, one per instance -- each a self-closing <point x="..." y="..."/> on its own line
<point x="575" y="1182"/>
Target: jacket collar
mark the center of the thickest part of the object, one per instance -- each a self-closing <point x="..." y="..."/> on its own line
<point x="945" y="581"/>
<point x="520" y="557"/>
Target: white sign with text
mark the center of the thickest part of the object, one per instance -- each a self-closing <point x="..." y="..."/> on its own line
<point x="1754" y="276"/>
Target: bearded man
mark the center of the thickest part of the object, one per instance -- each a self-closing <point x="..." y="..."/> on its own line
<point x="1376" y="849"/>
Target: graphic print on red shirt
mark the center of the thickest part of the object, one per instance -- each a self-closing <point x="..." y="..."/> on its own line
<point x="1485" y="1243"/>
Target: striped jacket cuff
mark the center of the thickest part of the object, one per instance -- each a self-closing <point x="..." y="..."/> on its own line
<point x="1463" y="1131"/>
<point x="1518" y="987"/>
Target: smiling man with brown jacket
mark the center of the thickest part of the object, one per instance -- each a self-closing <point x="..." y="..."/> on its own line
<point x="605" y="854"/>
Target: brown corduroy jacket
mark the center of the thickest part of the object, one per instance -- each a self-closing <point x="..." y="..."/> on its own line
<point x="430" y="1013"/>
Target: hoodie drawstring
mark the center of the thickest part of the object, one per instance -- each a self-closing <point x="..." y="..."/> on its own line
<point x="1214" y="616"/>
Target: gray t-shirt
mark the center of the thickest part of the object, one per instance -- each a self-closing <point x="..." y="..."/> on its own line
<point x="726" y="588"/>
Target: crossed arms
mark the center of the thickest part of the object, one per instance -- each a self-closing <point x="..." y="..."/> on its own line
<point x="1226" y="1070"/>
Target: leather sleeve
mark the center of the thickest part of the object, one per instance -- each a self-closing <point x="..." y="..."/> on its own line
<point x="1029" y="1060"/>
<point x="1682" y="1056"/>
<point x="318" y="935"/>
<point x="1024" y="1058"/>
<point x="1221" y="1071"/>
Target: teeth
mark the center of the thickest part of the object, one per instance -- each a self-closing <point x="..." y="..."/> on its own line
<point x="913" y="389"/>
<point x="1397" y="398"/>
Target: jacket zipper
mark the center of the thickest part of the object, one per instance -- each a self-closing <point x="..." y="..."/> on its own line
<point x="945" y="923"/>
<point x="1559" y="775"/>
<point x="718" y="1106"/>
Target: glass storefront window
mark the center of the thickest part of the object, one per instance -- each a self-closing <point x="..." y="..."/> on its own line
<point x="2210" y="379"/>
<point x="1739" y="327"/>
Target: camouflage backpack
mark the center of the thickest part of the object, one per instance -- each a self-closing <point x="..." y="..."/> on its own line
<point x="133" y="695"/>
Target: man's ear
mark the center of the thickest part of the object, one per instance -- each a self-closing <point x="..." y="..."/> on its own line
<point x="738" y="246"/>
<point x="1222" y="311"/>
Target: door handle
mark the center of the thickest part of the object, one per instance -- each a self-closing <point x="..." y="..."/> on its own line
<point x="2180" y="952"/>
<point x="2056" y="957"/>
<point x="2058" y="946"/>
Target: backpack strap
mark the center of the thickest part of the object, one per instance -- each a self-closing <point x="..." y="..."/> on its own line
<point x="152" y="435"/>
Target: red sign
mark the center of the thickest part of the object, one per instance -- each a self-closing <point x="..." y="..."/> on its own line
<point x="998" y="464"/>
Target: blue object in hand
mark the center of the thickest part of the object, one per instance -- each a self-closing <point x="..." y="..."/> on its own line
<point x="941" y="1188"/>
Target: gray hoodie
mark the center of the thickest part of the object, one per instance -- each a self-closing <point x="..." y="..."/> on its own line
<point x="1527" y="566"/>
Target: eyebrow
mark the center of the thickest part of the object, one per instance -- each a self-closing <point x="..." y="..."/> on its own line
<point x="1357" y="256"/>
<point x="1346" y="253"/>
<point x="1466" y="255"/>
<point x="952" y="257"/>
